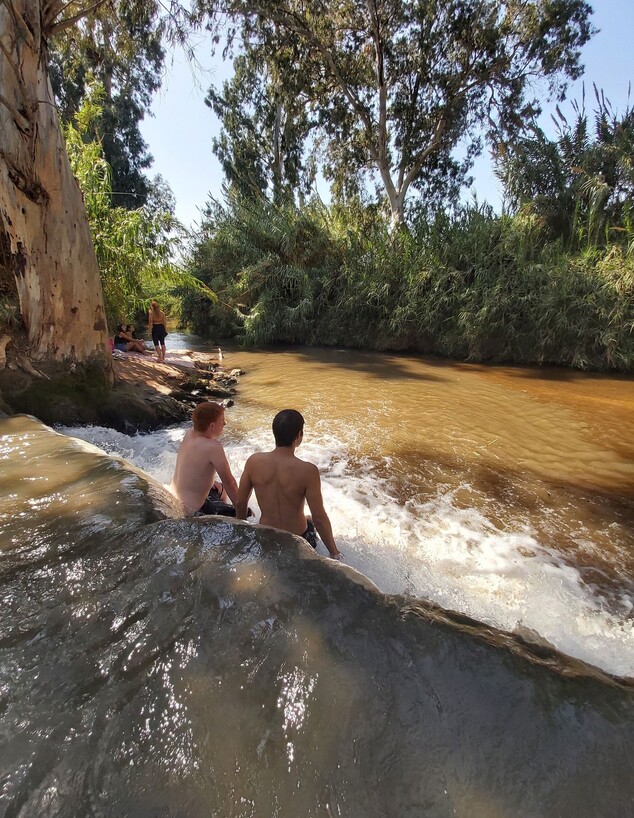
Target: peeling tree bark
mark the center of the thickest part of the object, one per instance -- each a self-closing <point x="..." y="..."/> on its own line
<point x="42" y="213"/>
<point x="4" y="343"/>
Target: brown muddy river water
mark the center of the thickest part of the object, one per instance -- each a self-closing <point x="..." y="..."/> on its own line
<point x="504" y="493"/>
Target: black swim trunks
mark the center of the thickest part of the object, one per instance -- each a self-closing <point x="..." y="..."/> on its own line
<point x="310" y="535"/>
<point x="158" y="334"/>
<point x="214" y="505"/>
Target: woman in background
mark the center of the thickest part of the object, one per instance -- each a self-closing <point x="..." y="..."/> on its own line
<point x="130" y="333"/>
<point x="156" y="325"/>
<point x="125" y="342"/>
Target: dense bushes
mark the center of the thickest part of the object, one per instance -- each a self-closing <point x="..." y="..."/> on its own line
<point x="551" y="283"/>
<point x="475" y="286"/>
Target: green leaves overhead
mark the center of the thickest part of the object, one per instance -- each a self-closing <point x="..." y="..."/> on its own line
<point x="119" y="44"/>
<point x="136" y="249"/>
<point x="265" y="131"/>
<point x="391" y="95"/>
<point x="403" y="85"/>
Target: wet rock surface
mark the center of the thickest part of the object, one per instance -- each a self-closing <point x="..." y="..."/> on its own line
<point x="155" y="665"/>
<point x="145" y="395"/>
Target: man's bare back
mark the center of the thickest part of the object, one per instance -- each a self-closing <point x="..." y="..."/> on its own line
<point x="283" y="483"/>
<point x="200" y="457"/>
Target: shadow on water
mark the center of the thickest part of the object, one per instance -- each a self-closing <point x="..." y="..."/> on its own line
<point x="201" y="667"/>
<point x="383" y="366"/>
<point x="395" y="365"/>
<point x="557" y="374"/>
<point x="510" y="487"/>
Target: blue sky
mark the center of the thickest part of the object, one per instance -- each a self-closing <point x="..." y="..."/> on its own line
<point x="180" y="132"/>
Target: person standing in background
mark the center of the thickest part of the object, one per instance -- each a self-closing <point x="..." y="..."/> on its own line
<point x="156" y="325"/>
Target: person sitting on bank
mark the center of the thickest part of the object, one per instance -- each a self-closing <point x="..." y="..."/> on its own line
<point x="156" y="325"/>
<point x="282" y="484"/>
<point x="124" y="342"/>
<point x="200" y="458"/>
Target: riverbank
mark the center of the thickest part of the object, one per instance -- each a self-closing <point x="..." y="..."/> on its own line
<point x="145" y="395"/>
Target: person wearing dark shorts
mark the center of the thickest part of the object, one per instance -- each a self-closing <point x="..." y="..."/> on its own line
<point x="214" y="505"/>
<point x="158" y="334"/>
<point x="156" y="324"/>
<point x="200" y="458"/>
<point x="310" y="535"/>
<point x="284" y="483"/>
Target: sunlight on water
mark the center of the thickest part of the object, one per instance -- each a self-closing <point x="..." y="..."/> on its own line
<point x="433" y="549"/>
<point x="159" y="665"/>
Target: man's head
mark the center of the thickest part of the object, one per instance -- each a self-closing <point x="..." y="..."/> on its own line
<point x="287" y="425"/>
<point x="207" y="413"/>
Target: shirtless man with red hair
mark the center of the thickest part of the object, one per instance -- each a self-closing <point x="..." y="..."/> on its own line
<point x="200" y="458"/>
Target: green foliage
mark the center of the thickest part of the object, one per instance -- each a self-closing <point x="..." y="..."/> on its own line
<point x="135" y="248"/>
<point x="474" y="286"/>
<point x="120" y="45"/>
<point x="264" y="263"/>
<point x="397" y="86"/>
<point x="580" y="184"/>
<point x="265" y="126"/>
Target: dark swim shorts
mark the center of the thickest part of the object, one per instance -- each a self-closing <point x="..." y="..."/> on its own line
<point x="158" y="334"/>
<point x="310" y="535"/>
<point x="214" y="505"/>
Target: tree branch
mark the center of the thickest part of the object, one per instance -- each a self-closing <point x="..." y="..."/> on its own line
<point x="20" y="23"/>
<point x="410" y="124"/>
<point x="70" y="21"/>
<point x="418" y="163"/>
<point x="381" y="86"/>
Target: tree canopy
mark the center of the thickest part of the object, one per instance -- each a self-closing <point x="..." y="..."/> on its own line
<point x="400" y="85"/>
<point x="265" y="129"/>
<point x="120" y="45"/>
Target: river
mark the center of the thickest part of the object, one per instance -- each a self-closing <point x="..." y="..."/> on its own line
<point x="158" y="666"/>
<point x="505" y="493"/>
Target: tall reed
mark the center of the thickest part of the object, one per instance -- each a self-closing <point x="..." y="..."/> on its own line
<point x="474" y="285"/>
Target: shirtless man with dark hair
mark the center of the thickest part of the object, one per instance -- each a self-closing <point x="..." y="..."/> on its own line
<point x="282" y="484"/>
<point x="200" y="457"/>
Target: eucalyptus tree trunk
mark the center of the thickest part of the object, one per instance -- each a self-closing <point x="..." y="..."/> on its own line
<point x="44" y="229"/>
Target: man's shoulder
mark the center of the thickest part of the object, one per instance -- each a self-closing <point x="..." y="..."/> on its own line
<point x="305" y="462"/>
<point x="305" y="466"/>
<point x="259" y="460"/>
<point x="214" y="445"/>
<point x="199" y="443"/>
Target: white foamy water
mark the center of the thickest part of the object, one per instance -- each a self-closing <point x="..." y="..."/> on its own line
<point x="432" y="549"/>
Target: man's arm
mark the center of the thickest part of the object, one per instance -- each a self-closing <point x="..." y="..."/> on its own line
<point x="221" y="465"/>
<point x="244" y="492"/>
<point x="320" y="518"/>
